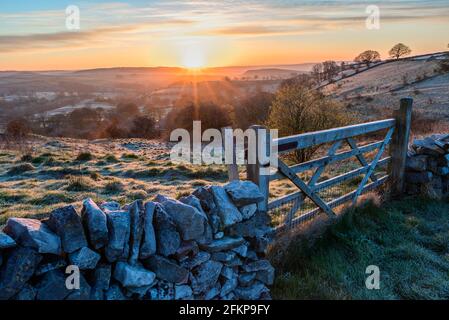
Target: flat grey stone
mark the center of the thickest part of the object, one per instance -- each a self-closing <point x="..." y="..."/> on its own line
<point x="417" y="163"/>
<point x="49" y="264"/>
<point x="166" y="269"/>
<point x="197" y="260"/>
<point x="206" y="198"/>
<point x="17" y="269"/>
<point x="52" y="286"/>
<point x="187" y="249"/>
<point x="248" y="211"/>
<point x="67" y="224"/>
<point x="148" y="247"/>
<point x="119" y="223"/>
<point x="133" y="276"/>
<point x="188" y="219"/>
<point x="34" y="234"/>
<point x="223" y="256"/>
<point x="95" y="222"/>
<point x="229" y="286"/>
<point x="253" y="292"/>
<point x="246" y="279"/>
<point x="228" y="272"/>
<point x="110" y="206"/>
<point x="227" y="243"/>
<point x="213" y="292"/>
<point x="6" y="241"/>
<point x="244" y="193"/>
<point x="136" y="213"/>
<point x="168" y="239"/>
<point x="242" y="250"/>
<point x="205" y="276"/>
<point x="84" y="258"/>
<point x="183" y="292"/>
<point x="226" y="209"/>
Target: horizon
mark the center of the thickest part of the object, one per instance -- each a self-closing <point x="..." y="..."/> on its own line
<point x="210" y="34"/>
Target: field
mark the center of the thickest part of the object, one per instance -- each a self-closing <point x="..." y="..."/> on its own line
<point x="407" y="240"/>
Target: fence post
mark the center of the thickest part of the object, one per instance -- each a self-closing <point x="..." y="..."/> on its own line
<point x="399" y="146"/>
<point x="254" y="170"/>
<point x="233" y="169"/>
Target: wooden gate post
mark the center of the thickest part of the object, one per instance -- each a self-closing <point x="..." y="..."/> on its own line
<point x="254" y="171"/>
<point x="233" y="169"/>
<point x="399" y="146"/>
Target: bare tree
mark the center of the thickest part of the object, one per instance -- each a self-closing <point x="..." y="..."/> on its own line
<point x="368" y="57"/>
<point x="399" y="51"/>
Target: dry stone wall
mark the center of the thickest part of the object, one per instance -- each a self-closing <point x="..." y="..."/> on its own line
<point x="427" y="167"/>
<point x="208" y="245"/>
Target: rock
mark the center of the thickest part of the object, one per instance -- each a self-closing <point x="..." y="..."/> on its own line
<point x="28" y="293"/>
<point x="242" y="250"/>
<point x="253" y="292"/>
<point x="227" y="211"/>
<point x="235" y="262"/>
<point x="119" y="228"/>
<point x="248" y="211"/>
<point x="136" y="213"/>
<point x="133" y="276"/>
<point x="229" y="297"/>
<point x="67" y="224"/>
<point x="257" y="226"/>
<point x="417" y="163"/>
<point x="49" y="264"/>
<point x="84" y="258"/>
<point x="243" y="193"/>
<point x="193" y="201"/>
<point x="168" y="239"/>
<point x="6" y="241"/>
<point x="195" y="261"/>
<point x="252" y="255"/>
<point x="148" y="247"/>
<point x="442" y="171"/>
<point x="427" y="147"/>
<point x="205" y="276"/>
<point x="213" y="292"/>
<point x="223" y="256"/>
<point x="219" y="235"/>
<point x="34" y="234"/>
<point x="206" y="199"/>
<point x="246" y="279"/>
<point x="83" y="293"/>
<point x="102" y="276"/>
<point x="186" y="250"/>
<point x="95" y="222"/>
<point x="260" y="244"/>
<point x="18" y="268"/>
<point x="137" y="292"/>
<point x="166" y="269"/>
<point x="228" y="272"/>
<point x="165" y="291"/>
<point x="264" y="271"/>
<point x="227" y="243"/>
<point x="189" y="220"/>
<point x="52" y="286"/>
<point x="215" y="223"/>
<point x="183" y="293"/>
<point x="114" y="293"/>
<point x="228" y="286"/>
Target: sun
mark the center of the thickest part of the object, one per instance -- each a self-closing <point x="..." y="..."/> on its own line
<point x="193" y="57"/>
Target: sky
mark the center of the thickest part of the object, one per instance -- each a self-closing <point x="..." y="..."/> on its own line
<point x="39" y="34"/>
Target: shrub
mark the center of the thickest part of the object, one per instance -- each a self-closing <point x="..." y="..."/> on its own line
<point x="114" y="187"/>
<point x="26" y="158"/>
<point x="18" y="129"/>
<point x="21" y="168"/>
<point x="111" y="158"/>
<point x="130" y="156"/>
<point x="297" y="109"/>
<point x="143" y="127"/>
<point x="84" y="156"/>
<point x="79" y="183"/>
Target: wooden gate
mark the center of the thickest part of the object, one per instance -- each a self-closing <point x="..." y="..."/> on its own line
<point x="378" y="161"/>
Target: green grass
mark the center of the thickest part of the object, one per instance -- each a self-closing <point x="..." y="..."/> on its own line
<point x="408" y="240"/>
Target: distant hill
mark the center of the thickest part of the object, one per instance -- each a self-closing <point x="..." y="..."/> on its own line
<point x="272" y="72"/>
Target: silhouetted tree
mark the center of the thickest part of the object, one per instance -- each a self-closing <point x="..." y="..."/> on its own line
<point x="399" y="50"/>
<point x="253" y="110"/>
<point x="368" y="57"/>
